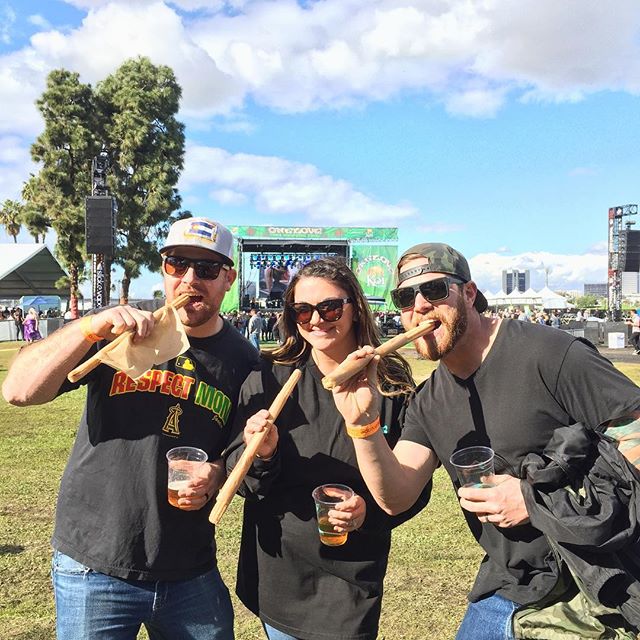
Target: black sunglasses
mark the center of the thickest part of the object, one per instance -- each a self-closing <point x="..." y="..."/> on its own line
<point x="433" y="291"/>
<point x="329" y="310"/>
<point x="177" y="266"/>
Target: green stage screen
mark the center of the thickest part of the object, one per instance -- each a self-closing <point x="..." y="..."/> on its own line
<point x="372" y="250"/>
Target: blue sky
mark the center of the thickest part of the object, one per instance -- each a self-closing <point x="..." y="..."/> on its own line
<point x="504" y="129"/>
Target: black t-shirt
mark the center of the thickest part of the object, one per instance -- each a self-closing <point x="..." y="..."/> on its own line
<point x="533" y="380"/>
<point x="113" y="514"/>
<point x="285" y="575"/>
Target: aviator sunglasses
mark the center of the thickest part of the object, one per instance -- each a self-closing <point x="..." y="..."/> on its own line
<point x="329" y="310"/>
<point x="433" y="291"/>
<point x="177" y="266"/>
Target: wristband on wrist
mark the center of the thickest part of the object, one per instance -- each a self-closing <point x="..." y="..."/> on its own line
<point x="87" y="331"/>
<point x="269" y="458"/>
<point x="364" y="431"/>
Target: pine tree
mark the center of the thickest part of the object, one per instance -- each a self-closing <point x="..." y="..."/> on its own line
<point x="138" y="106"/>
<point x="65" y="149"/>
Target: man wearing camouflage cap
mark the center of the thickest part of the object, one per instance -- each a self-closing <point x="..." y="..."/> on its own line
<point x="503" y="384"/>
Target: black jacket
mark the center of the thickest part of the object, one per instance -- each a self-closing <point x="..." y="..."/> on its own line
<point x="584" y="495"/>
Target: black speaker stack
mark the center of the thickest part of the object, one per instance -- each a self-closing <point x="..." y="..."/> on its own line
<point x="100" y="225"/>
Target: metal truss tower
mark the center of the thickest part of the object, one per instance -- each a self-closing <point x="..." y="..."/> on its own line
<point x="617" y="256"/>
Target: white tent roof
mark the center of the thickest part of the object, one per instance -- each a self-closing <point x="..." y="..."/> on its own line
<point x="28" y="269"/>
<point x="545" y="292"/>
<point x="553" y="300"/>
<point x="496" y="298"/>
<point x="545" y="298"/>
<point x="523" y="297"/>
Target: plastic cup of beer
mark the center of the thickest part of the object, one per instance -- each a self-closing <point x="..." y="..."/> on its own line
<point x="326" y="497"/>
<point x="185" y="465"/>
<point x="473" y="465"/>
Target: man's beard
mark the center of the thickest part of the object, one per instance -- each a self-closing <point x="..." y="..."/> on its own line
<point x="196" y="317"/>
<point x="455" y="326"/>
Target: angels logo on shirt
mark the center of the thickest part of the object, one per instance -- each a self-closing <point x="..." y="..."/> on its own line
<point x="172" y="423"/>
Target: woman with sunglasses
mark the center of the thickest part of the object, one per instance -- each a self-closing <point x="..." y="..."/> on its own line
<point x="299" y="588"/>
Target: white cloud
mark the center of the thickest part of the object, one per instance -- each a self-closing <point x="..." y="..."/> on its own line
<point x="601" y="247"/>
<point x="471" y="57"/>
<point x="476" y="102"/>
<point x="566" y="272"/>
<point x="276" y="185"/>
<point x="15" y="166"/>
<point x="39" y="21"/>
<point x="468" y="55"/>
<point x="228" y="197"/>
<point x="7" y="20"/>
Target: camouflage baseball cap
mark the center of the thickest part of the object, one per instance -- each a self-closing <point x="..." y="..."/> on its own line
<point x="441" y="259"/>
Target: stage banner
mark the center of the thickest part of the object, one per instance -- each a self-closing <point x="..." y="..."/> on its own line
<point x="231" y="301"/>
<point x="359" y="234"/>
<point x="373" y="266"/>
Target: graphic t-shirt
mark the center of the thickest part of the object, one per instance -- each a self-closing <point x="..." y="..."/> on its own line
<point x="112" y="513"/>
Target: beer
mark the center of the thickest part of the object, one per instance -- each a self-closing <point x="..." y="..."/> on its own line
<point x="328" y="535"/>
<point x="173" y="488"/>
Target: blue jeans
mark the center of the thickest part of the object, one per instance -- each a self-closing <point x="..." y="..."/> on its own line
<point x="274" y="634"/>
<point x="94" y="606"/>
<point x="254" y="339"/>
<point x="488" y="619"/>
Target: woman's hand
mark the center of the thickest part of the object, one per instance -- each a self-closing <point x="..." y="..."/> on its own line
<point x="349" y="515"/>
<point x="358" y="398"/>
<point x="257" y="423"/>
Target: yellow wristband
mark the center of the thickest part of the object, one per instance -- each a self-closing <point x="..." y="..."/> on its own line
<point x="364" y="431"/>
<point x="87" y="330"/>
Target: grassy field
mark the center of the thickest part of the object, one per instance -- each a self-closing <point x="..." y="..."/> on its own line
<point x="432" y="564"/>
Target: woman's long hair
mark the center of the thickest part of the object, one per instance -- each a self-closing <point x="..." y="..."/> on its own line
<point x="394" y="372"/>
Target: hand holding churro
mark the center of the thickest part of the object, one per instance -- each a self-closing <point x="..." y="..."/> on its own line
<point x="351" y="366"/>
<point x="164" y="340"/>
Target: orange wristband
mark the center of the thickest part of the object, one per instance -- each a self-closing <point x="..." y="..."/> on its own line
<point x="87" y="331"/>
<point x="364" y="431"/>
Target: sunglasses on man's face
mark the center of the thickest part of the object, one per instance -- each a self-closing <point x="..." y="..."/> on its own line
<point x="329" y="310"/>
<point x="177" y="266"/>
<point x="432" y="291"/>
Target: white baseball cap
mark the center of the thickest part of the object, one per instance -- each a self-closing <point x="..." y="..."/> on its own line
<point x="203" y="233"/>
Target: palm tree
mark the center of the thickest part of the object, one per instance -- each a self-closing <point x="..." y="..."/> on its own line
<point x="10" y="218"/>
<point x="35" y="205"/>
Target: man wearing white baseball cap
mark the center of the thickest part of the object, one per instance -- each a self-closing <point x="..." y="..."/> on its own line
<point x="124" y="556"/>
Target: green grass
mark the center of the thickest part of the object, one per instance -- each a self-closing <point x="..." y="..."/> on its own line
<point x="432" y="565"/>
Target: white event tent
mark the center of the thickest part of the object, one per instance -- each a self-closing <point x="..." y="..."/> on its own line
<point x="545" y="299"/>
<point x="28" y="270"/>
